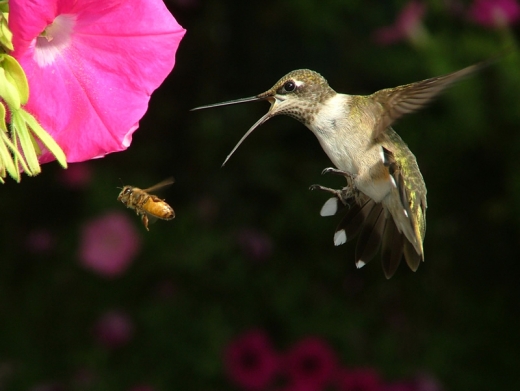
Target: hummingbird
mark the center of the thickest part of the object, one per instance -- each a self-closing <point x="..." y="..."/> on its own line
<point x="385" y="195"/>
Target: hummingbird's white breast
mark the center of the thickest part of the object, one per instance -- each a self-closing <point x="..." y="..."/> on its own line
<point x="329" y="126"/>
<point x="344" y="129"/>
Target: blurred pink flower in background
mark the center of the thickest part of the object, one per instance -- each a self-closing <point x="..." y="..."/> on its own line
<point x="114" y="329"/>
<point x="310" y="365"/>
<point x="77" y="176"/>
<point x="312" y="362"/>
<point x="92" y="66"/>
<point x="109" y="244"/>
<point x="408" y="25"/>
<point x="40" y="240"/>
<point x="495" y="13"/>
<point x="361" y="379"/>
<point x="255" y="244"/>
<point x="250" y="360"/>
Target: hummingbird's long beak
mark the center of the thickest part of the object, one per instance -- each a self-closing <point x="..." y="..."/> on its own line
<point x="256" y="125"/>
<point x="265" y="96"/>
<point x="230" y="102"/>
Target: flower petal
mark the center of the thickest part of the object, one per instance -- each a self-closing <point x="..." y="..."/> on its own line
<point x="92" y="95"/>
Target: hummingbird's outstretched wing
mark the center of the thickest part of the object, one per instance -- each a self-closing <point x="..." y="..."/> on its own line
<point x="396" y="102"/>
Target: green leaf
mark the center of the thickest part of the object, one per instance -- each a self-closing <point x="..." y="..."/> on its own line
<point x="8" y="91"/>
<point x="15" y="74"/>
<point x="6" y="36"/>
<point x="19" y="130"/>
<point x="3" y="125"/>
<point x="19" y="160"/>
<point x="45" y="138"/>
<point x="6" y="158"/>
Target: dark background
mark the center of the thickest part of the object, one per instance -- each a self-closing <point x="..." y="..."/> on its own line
<point x="198" y="283"/>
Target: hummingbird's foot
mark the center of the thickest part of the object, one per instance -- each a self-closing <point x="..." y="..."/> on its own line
<point x="341" y="199"/>
<point x="323" y="188"/>
<point x="344" y="195"/>
<point x="335" y="171"/>
<point x="334" y="204"/>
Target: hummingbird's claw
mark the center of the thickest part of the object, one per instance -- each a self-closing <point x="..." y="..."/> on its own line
<point x="341" y="198"/>
<point x="344" y="195"/>
<point x="323" y="188"/>
<point x="332" y="170"/>
<point x="335" y="171"/>
<point x="320" y="187"/>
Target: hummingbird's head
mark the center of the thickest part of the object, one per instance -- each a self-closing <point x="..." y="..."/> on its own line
<point x="298" y="94"/>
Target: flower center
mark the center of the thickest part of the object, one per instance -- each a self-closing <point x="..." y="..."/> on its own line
<point x="54" y="39"/>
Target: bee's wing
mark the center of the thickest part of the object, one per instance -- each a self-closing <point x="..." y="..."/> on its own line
<point x="160" y="185"/>
<point x="151" y="218"/>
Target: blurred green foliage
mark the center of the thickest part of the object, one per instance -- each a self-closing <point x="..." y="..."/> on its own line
<point x="193" y="287"/>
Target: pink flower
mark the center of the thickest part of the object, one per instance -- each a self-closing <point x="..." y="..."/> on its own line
<point x="407" y="25"/>
<point x="255" y="244"/>
<point x="311" y="361"/>
<point x="92" y="66"/>
<point x="358" y="380"/>
<point x="495" y="13"/>
<point x="114" y="329"/>
<point x="251" y="361"/>
<point x="109" y="244"/>
<point x="77" y="176"/>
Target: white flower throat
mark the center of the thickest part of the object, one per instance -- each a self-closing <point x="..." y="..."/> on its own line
<point x="54" y="40"/>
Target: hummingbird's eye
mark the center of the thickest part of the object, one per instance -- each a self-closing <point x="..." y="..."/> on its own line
<point x="289" y="86"/>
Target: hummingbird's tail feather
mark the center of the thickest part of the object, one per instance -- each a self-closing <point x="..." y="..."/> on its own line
<point x="376" y="226"/>
<point x="352" y="222"/>
<point x="413" y="259"/>
<point x="331" y="207"/>
<point x="370" y="237"/>
<point x="392" y="249"/>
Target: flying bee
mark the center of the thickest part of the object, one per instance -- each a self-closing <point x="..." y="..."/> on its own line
<point x="148" y="206"/>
